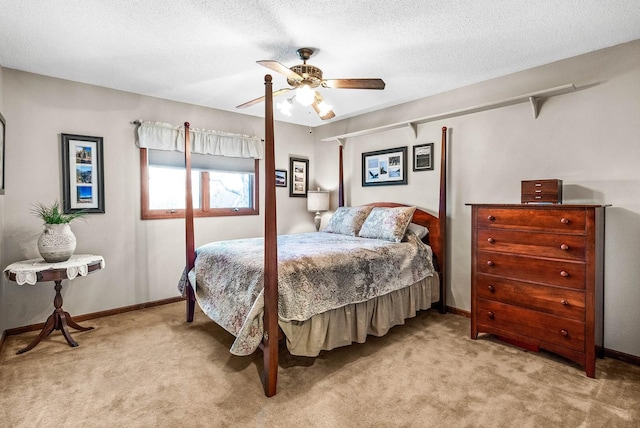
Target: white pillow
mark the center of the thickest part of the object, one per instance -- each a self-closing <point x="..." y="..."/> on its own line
<point x="420" y="231"/>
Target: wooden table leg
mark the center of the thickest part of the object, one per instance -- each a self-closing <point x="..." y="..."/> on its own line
<point x="58" y="320"/>
<point x="71" y="323"/>
<point x="46" y="330"/>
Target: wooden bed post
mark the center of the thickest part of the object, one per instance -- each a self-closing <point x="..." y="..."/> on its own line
<point x="442" y="218"/>
<point x="341" y="177"/>
<point x="188" y="217"/>
<point x="270" y="339"/>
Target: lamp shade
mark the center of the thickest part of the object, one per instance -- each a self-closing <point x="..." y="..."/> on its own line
<point x="317" y="200"/>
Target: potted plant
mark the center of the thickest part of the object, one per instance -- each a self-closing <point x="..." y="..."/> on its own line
<point x="57" y="243"/>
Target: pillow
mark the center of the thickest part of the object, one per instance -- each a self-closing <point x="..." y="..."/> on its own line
<point x="347" y="220"/>
<point x="387" y="223"/>
<point x="420" y="231"/>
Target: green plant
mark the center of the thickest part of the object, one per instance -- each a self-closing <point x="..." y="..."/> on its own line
<point x="51" y="214"/>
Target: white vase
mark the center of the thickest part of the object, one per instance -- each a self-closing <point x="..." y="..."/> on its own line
<point x="57" y="243"/>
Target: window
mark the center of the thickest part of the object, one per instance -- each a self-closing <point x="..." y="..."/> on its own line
<point x="221" y="186"/>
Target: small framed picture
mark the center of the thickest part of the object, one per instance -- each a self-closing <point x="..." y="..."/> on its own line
<point x="83" y="182"/>
<point x="423" y="157"/>
<point x="281" y="178"/>
<point x="384" y="167"/>
<point x="299" y="178"/>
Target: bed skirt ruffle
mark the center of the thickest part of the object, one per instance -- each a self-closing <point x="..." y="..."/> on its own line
<point x="352" y="323"/>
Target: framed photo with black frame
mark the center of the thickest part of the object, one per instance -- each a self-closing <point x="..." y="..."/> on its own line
<point x="384" y="167"/>
<point x="82" y="174"/>
<point x="281" y="178"/>
<point x="299" y="177"/>
<point x="423" y="157"/>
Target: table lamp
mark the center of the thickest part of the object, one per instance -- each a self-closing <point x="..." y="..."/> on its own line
<point x="317" y="200"/>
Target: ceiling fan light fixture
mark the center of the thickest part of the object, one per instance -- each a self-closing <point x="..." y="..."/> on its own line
<point x="305" y="79"/>
<point x="324" y="108"/>
<point x="285" y="106"/>
<point x="305" y="95"/>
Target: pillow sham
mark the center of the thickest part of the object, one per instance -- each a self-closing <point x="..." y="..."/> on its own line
<point x="420" y="231"/>
<point x="348" y="220"/>
<point x="387" y="223"/>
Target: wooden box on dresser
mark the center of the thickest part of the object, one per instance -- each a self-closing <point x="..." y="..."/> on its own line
<point x="537" y="277"/>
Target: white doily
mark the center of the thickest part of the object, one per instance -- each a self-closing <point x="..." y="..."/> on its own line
<point x="26" y="271"/>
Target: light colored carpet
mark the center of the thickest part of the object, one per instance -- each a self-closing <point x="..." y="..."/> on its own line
<point x="149" y="368"/>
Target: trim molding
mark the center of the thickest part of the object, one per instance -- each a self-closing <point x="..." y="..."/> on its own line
<point x="94" y="315"/>
<point x="457" y="311"/>
<point x="616" y="355"/>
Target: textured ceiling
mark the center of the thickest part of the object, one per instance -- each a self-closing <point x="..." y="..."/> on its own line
<point x="205" y="52"/>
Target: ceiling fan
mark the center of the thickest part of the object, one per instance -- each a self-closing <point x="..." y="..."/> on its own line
<point x="305" y="78"/>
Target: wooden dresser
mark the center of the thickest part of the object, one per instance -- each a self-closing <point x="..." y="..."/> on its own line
<point x="537" y="277"/>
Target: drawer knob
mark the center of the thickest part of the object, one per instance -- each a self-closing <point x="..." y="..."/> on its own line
<point x="491" y="240"/>
<point x="491" y="288"/>
<point x="564" y="247"/>
<point x="491" y="218"/>
<point x="564" y="302"/>
<point x="490" y="263"/>
<point x="490" y="315"/>
<point x="564" y="220"/>
<point x="564" y="332"/>
<point x="564" y="273"/>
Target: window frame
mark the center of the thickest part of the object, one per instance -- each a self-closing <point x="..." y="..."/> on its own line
<point x="204" y="210"/>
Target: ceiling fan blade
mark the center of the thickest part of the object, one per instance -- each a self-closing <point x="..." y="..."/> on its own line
<point x="354" y="83"/>
<point x="260" y="99"/>
<point x="280" y="68"/>
<point x="250" y="103"/>
<point x="318" y="107"/>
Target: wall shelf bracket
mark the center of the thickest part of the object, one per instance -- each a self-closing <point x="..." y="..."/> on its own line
<point x="414" y="126"/>
<point x="535" y="103"/>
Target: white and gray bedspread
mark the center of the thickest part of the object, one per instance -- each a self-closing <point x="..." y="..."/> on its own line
<point x="317" y="272"/>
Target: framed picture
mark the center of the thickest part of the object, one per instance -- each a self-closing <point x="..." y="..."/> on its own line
<point x="299" y="179"/>
<point x="82" y="174"/>
<point x="423" y="157"/>
<point x="3" y="124"/>
<point x="281" y="178"/>
<point x="385" y="167"/>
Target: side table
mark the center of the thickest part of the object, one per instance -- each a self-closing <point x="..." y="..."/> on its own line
<point x="37" y="270"/>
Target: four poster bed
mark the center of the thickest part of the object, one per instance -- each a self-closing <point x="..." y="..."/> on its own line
<point x="372" y="267"/>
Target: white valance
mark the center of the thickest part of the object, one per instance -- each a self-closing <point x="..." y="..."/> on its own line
<point x="164" y="136"/>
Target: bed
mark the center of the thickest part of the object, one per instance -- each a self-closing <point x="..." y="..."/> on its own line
<point x="372" y="267"/>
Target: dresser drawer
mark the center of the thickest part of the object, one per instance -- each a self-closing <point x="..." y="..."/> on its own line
<point x="558" y="246"/>
<point x="555" y="220"/>
<point x="551" y="198"/>
<point x="562" y="273"/>
<point x="496" y="316"/>
<point x="564" y="302"/>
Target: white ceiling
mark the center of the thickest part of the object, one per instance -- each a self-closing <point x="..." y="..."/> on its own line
<point x="204" y="52"/>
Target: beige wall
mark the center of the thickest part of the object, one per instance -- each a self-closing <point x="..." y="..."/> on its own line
<point x="589" y="138"/>
<point x="144" y="259"/>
